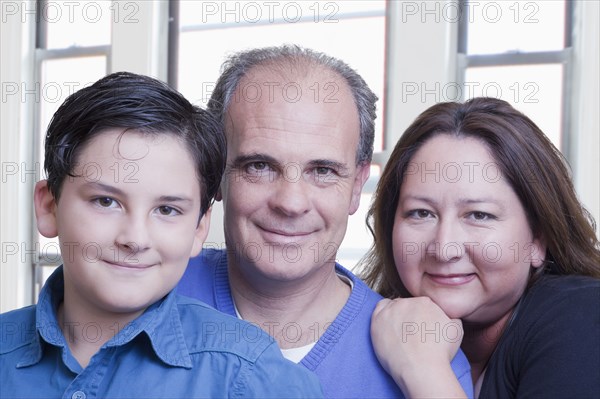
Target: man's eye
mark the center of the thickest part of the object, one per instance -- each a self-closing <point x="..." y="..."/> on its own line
<point x="256" y="167"/>
<point x="323" y="171"/>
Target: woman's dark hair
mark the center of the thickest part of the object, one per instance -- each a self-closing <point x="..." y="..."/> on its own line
<point x="531" y="164"/>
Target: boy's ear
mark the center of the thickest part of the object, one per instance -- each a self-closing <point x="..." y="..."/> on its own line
<point x="219" y="196"/>
<point x="45" y="210"/>
<point x="201" y="233"/>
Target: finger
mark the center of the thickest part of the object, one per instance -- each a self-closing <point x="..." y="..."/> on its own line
<point x="380" y="306"/>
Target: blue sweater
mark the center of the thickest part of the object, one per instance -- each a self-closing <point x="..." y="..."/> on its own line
<point x="343" y="358"/>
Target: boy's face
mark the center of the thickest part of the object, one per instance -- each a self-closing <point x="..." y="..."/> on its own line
<point x="128" y="224"/>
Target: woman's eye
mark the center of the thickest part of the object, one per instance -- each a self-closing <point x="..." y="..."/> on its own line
<point x="419" y="214"/>
<point x="481" y="215"/>
<point x="422" y="213"/>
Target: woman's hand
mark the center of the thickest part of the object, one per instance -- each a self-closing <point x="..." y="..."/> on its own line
<point x="415" y="342"/>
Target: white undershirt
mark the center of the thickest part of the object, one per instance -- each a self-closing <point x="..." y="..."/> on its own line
<point x="297" y="354"/>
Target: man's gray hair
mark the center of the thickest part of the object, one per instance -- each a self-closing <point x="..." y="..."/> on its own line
<point x="238" y="65"/>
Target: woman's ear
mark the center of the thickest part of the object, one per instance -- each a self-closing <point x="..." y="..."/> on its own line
<point x="45" y="210"/>
<point x="538" y="252"/>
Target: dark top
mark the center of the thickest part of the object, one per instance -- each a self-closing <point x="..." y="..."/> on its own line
<point x="552" y="347"/>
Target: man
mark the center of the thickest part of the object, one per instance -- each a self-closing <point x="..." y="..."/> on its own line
<point x="299" y="127"/>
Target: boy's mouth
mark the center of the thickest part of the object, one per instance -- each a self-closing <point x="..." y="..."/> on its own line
<point x="130" y="265"/>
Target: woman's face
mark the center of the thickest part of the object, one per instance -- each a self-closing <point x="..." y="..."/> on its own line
<point x="461" y="235"/>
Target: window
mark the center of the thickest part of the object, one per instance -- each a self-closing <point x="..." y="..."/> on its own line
<point x="72" y="51"/>
<point x="522" y="51"/>
<point x="528" y="62"/>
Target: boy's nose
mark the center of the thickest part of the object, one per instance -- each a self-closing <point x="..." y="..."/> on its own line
<point x="134" y="235"/>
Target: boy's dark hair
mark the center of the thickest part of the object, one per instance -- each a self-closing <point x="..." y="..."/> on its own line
<point x="130" y="101"/>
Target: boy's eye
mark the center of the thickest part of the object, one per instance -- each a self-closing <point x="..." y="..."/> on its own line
<point x="105" y="202"/>
<point x="168" y="211"/>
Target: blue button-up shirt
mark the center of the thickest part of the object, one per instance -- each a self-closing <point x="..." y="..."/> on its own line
<point x="178" y="348"/>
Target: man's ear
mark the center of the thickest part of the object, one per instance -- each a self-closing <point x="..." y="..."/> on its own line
<point x="201" y="233"/>
<point x="45" y="210"/>
<point x="362" y="175"/>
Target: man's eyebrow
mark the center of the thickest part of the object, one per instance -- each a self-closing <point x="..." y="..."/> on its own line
<point x="339" y="167"/>
<point x="254" y="157"/>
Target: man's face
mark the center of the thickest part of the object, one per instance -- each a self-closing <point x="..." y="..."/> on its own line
<point x="291" y="180"/>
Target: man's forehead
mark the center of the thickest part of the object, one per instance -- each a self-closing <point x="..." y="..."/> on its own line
<point x="292" y="84"/>
<point x="290" y="71"/>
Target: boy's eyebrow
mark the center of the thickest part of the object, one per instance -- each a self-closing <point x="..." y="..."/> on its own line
<point x="116" y="191"/>
<point x="103" y="187"/>
<point x="172" y="198"/>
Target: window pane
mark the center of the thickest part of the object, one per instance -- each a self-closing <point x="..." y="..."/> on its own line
<point x="81" y="23"/>
<point x="59" y="79"/>
<point x="515" y="26"/>
<point x="358" y="41"/>
<point x="535" y="90"/>
<point x="255" y="12"/>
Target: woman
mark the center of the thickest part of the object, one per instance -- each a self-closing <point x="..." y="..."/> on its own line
<point x="475" y="219"/>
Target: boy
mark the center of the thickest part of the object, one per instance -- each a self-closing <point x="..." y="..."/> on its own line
<point x="132" y="170"/>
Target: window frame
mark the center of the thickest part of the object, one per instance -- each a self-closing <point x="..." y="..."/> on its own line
<point x="563" y="57"/>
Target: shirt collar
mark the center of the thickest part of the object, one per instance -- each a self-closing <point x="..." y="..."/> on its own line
<point x="46" y="325"/>
<point x="161" y="323"/>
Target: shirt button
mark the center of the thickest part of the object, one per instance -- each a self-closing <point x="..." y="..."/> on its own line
<point x="78" y="395"/>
